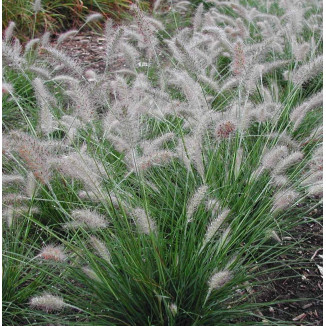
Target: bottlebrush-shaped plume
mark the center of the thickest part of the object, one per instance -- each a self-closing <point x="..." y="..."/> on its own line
<point x="91" y="273"/>
<point x="45" y="100"/>
<point x="287" y="162"/>
<point x="37" y="6"/>
<point x="198" y="18"/>
<point x="144" y="223"/>
<point x="67" y="35"/>
<point x="87" y="218"/>
<point x="283" y="199"/>
<point x="213" y="205"/>
<point x="9" y="32"/>
<point x="100" y="248"/>
<point x="218" y="280"/>
<point x="273" y="156"/>
<point x="12" y="178"/>
<point x="298" y="114"/>
<point x="30" y="45"/>
<point x="239" y="59"/>
<point x="307" y="71"/>
<point x="195" y="201"/>
<point x="64" y="59"/>
<point x="82" y="167"/>
<point x="215" y="225"/>
<point x="47" y="302"/>
<point x="12" y="211"/>
<point x="51" y="252"/>
<point x="145" y="29"/>
<point x="35" y="154"/>
<point x="300" y="51"/>
<point x="93" y="17"/>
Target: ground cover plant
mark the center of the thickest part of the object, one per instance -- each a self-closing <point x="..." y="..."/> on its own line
<point x="162" y="190"/>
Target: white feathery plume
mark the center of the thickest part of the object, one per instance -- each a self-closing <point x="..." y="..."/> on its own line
<point x="51" y="252"/>
<point x="155" y="158"/>
<point x="41" y="72"/>
<point x="307" y="71"/>
<point x="195" y="201"/>
<point x="13" y="198"/>
<point x="239" y="59"/>
<point x="215" y="225"/>
<point x="12" y="178"/>
<point x="30" y="186"/>
<point x="153" y="145"/>
<point x="7" y="88"/>
<point x="30" y="45"/>
<point x="299" y="113"/>
<point x="198" y="18"/>
<point x="144" y="223"/>
<point x="284" y="139"/>
<point x="84" y="105"/>
<point x="65" y="78"/>
<point x="156" y="5"/>
<point x="67" y="35"/>
<point x="284" y="164"/>
<point x="238" y="161"/>
<point x="283" y="199"/>
<point x="47" y="302"/>
<point x="88" y="218"/>
<point x="8" y="215"/>
<point x="173" y="308"/>
<point x="313" y="178"/>
<point x="279" y="180"/>
<point x="93" y="17"/>
<point x="44" y="100"/>
<point x="35" y="154"/>
<point x="12" y="57"/>
<point x="99" y="196"/>
<point x="218" y="280"/>
<point x="213" y="205"/>
<point x="316" y="190"/>
<point x="45" y="39"/>
<point x="101" y="248"/>
<point x="37" y="6"/>
<point x="316" y="162"/>
<point x="64" y="59"/>
<point x="91" y="273"/>
<point x="273" y="156"/>
<point x="300" y="51"/>
<point x="9" y="31"/>
<point x="90" y="75"/>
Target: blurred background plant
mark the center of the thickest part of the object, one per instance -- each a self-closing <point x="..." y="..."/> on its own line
<point x="59" y="15"/>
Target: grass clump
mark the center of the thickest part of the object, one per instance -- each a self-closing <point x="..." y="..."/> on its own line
<point x="165" y="186"/>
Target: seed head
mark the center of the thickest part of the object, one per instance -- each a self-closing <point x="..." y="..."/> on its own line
<point x="51" y="252"/>
<point x="215" y="225"/>
<point x="273" y="157"/>
<point x="93" y="17"/>
<point x="47" y="302"/>
<point x="37" y="6"/>
<point x="173" y="308"/>
<point x="219" y="279"/>
<point x="144" y="223"/>
<point x="194" y="201"/>
<point x="284" y="199"/>
<point x="87" y="218"/>
<point x="90" y="273"/>
<point x="101" y="248"/>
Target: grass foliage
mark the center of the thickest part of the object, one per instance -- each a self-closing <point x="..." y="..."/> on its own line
<point x="164" y="189"/>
